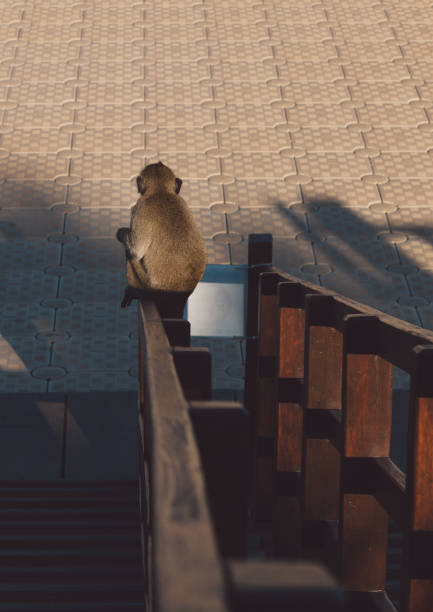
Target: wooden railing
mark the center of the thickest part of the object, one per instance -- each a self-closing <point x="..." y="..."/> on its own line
<point x="194" y="471"/>
<point x="319" y="381"/>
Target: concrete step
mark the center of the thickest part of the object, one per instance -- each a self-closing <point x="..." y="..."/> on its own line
<point x="48" y="527"/>
<point x="83" y="606"/>
<point x="107" y="557"/>
<point x="51" y="574"/>
<point x="98" y="592"/>
<point x="63" y="541"/>
<point x="70" y="546"/>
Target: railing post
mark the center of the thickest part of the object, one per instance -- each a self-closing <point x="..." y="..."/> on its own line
<point x="367" y="412"/>
<point x="322" y="391"/>
<point x="288" y="393"/>
<point x="178" y="331"/>
<point x="194" y="370"/>
<point x="259" y="257"/>
<point x="417" y="576"/>
<point x="221" y="431"/>
<point x="265" y="400"/>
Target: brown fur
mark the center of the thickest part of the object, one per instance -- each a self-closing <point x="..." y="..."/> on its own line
<point x="165" y="250"/>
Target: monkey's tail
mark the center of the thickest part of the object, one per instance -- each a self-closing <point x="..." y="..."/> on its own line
<point x="139" y="271"/>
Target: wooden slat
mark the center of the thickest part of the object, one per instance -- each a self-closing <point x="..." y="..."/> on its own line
<point x="186" y="569"/>
<point x="289" y="422"/>
<point x="363" y="533"/>
<point x="367" y="412"/>
<point x="322" y="398"/>
<point x="367" y="393"/>
<point x="418" y="565"/>
<point x="221" y="430"/>
<point x="265" y="400"/>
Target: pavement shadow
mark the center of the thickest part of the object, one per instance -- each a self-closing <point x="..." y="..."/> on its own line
<point x="349" y="243"/>
<point x="27" y="331"/>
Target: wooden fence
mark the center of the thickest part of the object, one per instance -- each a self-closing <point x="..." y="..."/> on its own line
<point x="194" y="471"/>
<point x="319" y="378"/>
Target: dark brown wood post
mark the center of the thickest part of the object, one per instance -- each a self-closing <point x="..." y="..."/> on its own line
<point x="265" y="400"/>
<point x="322" y="392"/>
<point x="288" y="391"/>
<point x="418" y="550"/>
<point x="221" y="430"/>
<point x="194" y="369"/>
<point x="367" y="412"/>
<point x="259" y="257"/>
<point x="178" y="331"/>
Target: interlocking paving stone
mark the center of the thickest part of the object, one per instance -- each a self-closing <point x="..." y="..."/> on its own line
<point x="16" y="225"/>
<point x="97" y="319"/>
<point x="28" y="193"/>
<point x="42" y="115"/>
<point x="21" y="354"/>
<point x="22" y="285"/>
<point x="93" y="285"/>
<point x="279" y="221"/>
<point x="80" y="352"/>
<point x="307" y="121"/>
<point x="26" y="255"/>
<point x="94" y="253"/>
<point x="98" y="222"/>
<point x="24" y="319"/>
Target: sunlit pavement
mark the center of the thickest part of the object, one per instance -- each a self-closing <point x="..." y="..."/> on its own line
<point x="309" y="120"/>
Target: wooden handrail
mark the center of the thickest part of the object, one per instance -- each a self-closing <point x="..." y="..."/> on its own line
<point x="313" y="355"/>
<point x="193" y="493"/>
<point x="183" y="558"/>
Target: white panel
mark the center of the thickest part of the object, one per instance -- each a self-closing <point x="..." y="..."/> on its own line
<point x="217" y="309"/>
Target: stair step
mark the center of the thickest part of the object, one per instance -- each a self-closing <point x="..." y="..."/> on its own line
<point x="52" y="502"/>
<point x="71" y="592"/>
<point x="123" y="489"/>
<point x="72" y="514"/>
<point x="99" y="527"/>
<point x="85" y="606"/>
<point x="70" y="558"/>
<point x="78" y="541"/>
<point x="70" y="575"/>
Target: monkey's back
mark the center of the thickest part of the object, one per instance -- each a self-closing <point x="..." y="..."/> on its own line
<point x="176" y="257"/>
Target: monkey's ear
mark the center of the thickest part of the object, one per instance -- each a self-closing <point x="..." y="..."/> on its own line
<point x="140" y="185"/>
<point x="178" y="185"/>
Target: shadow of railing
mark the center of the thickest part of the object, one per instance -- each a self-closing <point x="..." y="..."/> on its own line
<point x="319" y="388"/>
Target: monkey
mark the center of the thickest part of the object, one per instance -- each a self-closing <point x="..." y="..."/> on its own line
<point x="165" y="252"/>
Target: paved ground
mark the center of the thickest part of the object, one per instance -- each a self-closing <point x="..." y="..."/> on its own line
<point x="308" y="119"/>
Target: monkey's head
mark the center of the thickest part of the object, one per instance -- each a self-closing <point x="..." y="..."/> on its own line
<point x="157" y="176"/>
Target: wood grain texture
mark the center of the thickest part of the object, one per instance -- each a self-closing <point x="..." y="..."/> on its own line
<point x="420" y="596"/>
<point x="186" y="569"/>
<point x="322" y="481"/>
<point x="324" y="367"/>
<point x="367" y="395"/>
<point x="289" y="441"/>
<point x="422" y="514"/>
<point x="291" y="343"/>
<point x="363" y="540"/>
